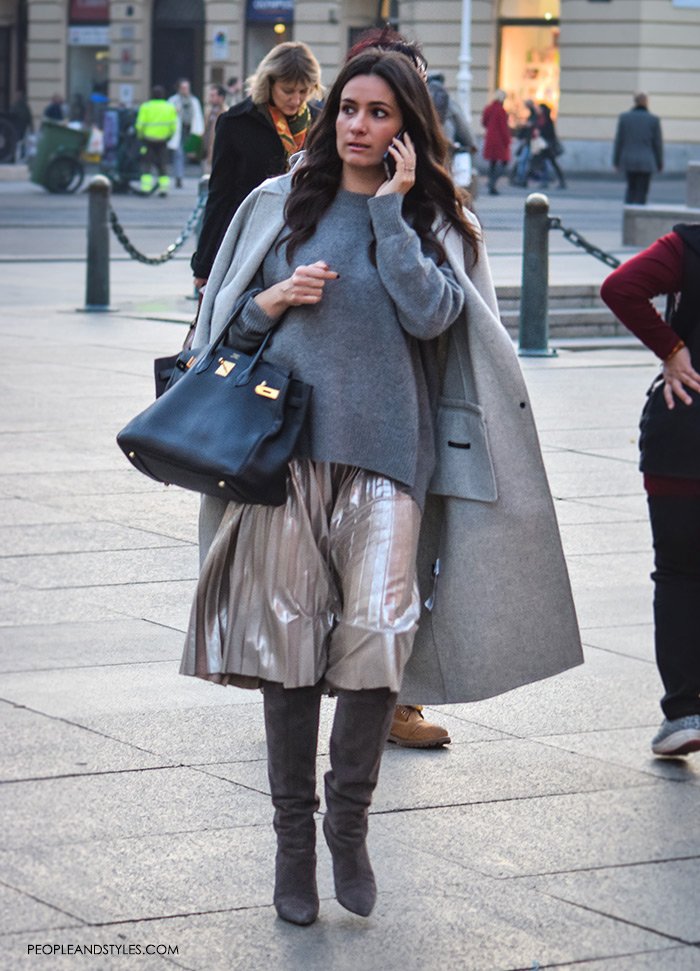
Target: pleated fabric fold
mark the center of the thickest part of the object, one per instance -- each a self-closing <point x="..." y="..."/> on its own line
<point x="322" y="588"/>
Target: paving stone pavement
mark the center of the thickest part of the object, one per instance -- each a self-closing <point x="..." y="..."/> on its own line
<point x="135" y="802"/>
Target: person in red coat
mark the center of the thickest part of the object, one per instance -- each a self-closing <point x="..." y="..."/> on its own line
<point x="497" y="141"/>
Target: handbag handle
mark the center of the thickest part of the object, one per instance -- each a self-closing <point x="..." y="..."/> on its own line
<point x="207" y="358"/>
<point x="245" y="376"/>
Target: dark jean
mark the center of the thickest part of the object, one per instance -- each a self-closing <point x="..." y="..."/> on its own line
<point x="675" y="526"/>
<point x="495" y="171"/>
<point x="637" y="188"/>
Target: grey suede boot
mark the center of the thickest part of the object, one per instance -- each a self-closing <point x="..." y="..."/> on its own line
<point x="291" y="728"/>
<point x="360" y="729"/>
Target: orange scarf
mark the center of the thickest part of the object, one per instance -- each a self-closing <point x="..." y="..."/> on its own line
<point x="292" y="131"/>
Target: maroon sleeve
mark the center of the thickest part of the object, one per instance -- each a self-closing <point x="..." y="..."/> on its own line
<point x="629" y="290"/>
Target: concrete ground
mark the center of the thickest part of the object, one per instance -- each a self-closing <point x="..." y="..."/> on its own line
<point x="134" y="802"/>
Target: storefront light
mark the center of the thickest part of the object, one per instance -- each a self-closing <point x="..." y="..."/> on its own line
<point x="280" y="28"/>
<point x="548" y="16"/>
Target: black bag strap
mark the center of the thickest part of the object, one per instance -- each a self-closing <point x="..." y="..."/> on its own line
<point x="189" y="337"/>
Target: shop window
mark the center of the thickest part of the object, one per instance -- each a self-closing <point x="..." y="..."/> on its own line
<point x="528" y="54"/>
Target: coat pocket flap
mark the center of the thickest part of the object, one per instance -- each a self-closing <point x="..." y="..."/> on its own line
<point x="463" y="468"/>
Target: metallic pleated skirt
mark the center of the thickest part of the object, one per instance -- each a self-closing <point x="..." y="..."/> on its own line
<point x="320" y="589"/>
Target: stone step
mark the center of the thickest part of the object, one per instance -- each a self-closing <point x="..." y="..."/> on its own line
<point x="572" y="322"/>
<point x="560" y="296"/>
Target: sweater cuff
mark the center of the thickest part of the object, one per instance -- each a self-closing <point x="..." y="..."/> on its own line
<point x="385" y="213"/>
<point x="252" y="319"/>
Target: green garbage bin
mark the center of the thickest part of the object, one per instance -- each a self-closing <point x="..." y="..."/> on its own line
<point x="56" y="165"/>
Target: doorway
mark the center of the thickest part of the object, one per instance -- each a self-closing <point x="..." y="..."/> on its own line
<point x="177" y="44"/>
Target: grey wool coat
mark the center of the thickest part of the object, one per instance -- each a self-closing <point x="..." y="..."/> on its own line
<point x="498" y="610"/>
<point x="639" y="144"/>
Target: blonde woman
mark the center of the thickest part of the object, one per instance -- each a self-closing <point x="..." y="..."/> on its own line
<point x="255" y="139"/>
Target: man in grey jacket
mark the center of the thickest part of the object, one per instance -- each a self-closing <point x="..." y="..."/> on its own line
<point x="639" y="150"/>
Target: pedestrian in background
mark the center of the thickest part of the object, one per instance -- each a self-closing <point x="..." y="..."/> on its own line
<point x="357" y="271"/>
<point x="255" y="140"/>
<point x="455" y="127"/>
<point x="553" y="147"/>
<point x="55" y="109"/>
<point x="156" y="123"/>
<point x="639" y="149"/>
<point x="671" y="265"/>
<point x="216" y="106"/>
<point x="234" y="91"/>
<point x="523" y="154"/>
<point x="24" y="123"/>
<point x="496" y="151"/>
<point x="190" y="128"/>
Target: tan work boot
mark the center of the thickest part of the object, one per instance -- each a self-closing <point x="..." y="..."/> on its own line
<point x="410" y="729"/>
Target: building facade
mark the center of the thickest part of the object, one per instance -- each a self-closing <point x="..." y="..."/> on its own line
<point x="585" y="58"/>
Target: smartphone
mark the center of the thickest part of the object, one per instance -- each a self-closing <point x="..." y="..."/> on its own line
<point x="389" y="160"/>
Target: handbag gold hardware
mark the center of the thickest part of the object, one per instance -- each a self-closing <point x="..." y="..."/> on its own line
<point x="225" y="367"/>
<point x="265" y="391"/>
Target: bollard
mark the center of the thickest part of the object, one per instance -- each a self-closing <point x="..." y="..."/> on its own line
<point x="97" y="274"/>
<point x="534" y="330"/>
<point x="202" y="192"/>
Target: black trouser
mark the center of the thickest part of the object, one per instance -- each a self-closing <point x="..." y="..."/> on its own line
<point x="675" y="526"/>
<point x="637" y="188"/>
<point x="155" y="156"/>
<point x="549" y="156"/>
<point x="495" y="172"/>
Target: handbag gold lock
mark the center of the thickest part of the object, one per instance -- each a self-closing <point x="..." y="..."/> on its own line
<point x="225" y="367"/>
<point x="266" y="392"/>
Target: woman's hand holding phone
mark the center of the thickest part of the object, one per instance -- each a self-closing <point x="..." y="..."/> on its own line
<point x="400" y="166"/>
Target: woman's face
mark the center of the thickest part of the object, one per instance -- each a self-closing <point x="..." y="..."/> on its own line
<point x="368" y="119"/>
<point x="288" y="96"/>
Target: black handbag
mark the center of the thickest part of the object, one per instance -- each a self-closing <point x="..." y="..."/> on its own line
<point x="226" y="426"/>
<point x="164" y="367"/>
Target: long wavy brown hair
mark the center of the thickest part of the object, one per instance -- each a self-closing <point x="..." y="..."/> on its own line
<point x="431" y="203"/>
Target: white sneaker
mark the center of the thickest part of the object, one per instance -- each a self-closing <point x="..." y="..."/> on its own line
<point x="681" y="736"/>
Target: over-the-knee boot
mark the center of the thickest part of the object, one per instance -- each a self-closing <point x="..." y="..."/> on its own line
<point x="291" y="727"/>
<point x="360" y="729"/>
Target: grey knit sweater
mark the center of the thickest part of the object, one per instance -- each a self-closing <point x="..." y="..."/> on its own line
<point x="368" y="348"/>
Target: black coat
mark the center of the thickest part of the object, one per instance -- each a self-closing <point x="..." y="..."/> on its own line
<point x="247" y="150"/>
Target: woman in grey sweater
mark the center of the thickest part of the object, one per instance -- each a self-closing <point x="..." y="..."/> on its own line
<point x="321" y="593"/>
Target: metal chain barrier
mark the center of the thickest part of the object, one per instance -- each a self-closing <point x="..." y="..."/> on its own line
<point x="578" y="240"/>
<point x="171" y="250"/>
